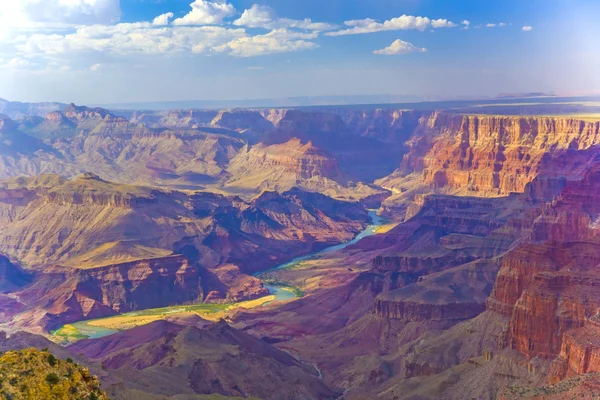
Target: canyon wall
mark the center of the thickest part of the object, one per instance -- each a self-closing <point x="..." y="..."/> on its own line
<point x="70" y="295"/>
<point x="488" y="156"/>
<point x="12" y="276"/>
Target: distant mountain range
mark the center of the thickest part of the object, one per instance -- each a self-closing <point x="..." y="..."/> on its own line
<point x="307" y="101"/>
<point x="15" y="109"/>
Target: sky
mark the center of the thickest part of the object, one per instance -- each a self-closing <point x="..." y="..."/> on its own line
<point x="119" y="51"/>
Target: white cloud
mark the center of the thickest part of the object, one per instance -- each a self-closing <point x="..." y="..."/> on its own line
<point x="400" y="47"/>
<point x="206" y="13"/>
<point x="276" y="41"/>
<point x="127" y="39"/>
<point x="466" y="22"/>
<point x="162" y="19"/>
<point x="15" y="63"/>
<point x="259" y="16"/>
<point x="492" y="25"/>
<point x="360" y="22"/>
<point x="77" y="34"/>
<point x="256" y="17"/>
<point x="23" y="14"/>
<point x="404" y="22"/>
<point x="442" y="23"/>
<point x="527" y="28"/>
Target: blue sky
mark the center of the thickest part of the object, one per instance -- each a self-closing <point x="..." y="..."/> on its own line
<point x="107" y="51"/>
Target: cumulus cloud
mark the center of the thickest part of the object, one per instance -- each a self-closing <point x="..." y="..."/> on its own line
<point x="206" y="13"/>
<point x="527" y="28"/>
<point x="492" y="25"/>
<point x="38" y="13"/>
<point x="86" y="34"/>
<point x="276" y="41"/>
<point x="129" y="38"/>
<point x="400" y="47"/>
<point x="15" y="63"/>
<point x="442" y="23"/>
<point x="259" y="16"/>
<point x="256" y="17"/>
<point x="145" y="38"/>
<point x="162" y="19"/>
<point x="404" y="22"/>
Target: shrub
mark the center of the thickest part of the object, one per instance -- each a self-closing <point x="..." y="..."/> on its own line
<point x="51" y="360"/>
<point x="52" y="378"/>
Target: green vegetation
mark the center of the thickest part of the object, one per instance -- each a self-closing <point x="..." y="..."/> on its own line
<point x="291" y="266"/>
<point x="68" y="333"/>
<point x="51" y="360"/>
<point x="105" y="326"/>
<point x="31" y="374"/>
<point x="52" y="379"/>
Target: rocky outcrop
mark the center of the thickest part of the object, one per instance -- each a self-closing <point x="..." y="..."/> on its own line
<point x="546" y="290"/>
<point x="300" y="122"/>
<point x="298" y="160"/>
<point x="80" y="113"/>
<point x="410" y="311"/>
<point x="388" y="125"/>
<point x="11" y="275"/>
<point x="15" y="109"/>
<point x="489" y="155"/>
<point x="241" y="120"/>
<point x="274" y="115"/>
<point x="574" y="214"/>
<point x="292" y="164"/>
<point x="579" y="353"/>
<point x="70" y="295"/>
<point x="451" y="296"/>
<point x="227" y="284"/>
<point x="445" y="232"/>
<point x="189" y="361"/>
<point x="185" y="119"/>
<point x="548" y="286"/>
<point x="578" y="387"/>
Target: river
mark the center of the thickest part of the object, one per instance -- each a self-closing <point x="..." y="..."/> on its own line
<point x="281" y="293"/>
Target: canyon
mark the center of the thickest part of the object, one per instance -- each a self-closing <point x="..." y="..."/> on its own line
<point x="481" y="281"/>
<point x="98" y="248"/>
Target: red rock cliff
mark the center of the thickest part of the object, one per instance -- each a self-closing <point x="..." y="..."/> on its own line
<point x="74" y="294"/>
<point x="490" y="155"/>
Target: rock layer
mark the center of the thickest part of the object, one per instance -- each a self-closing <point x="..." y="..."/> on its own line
<point x="70" y="295"/>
